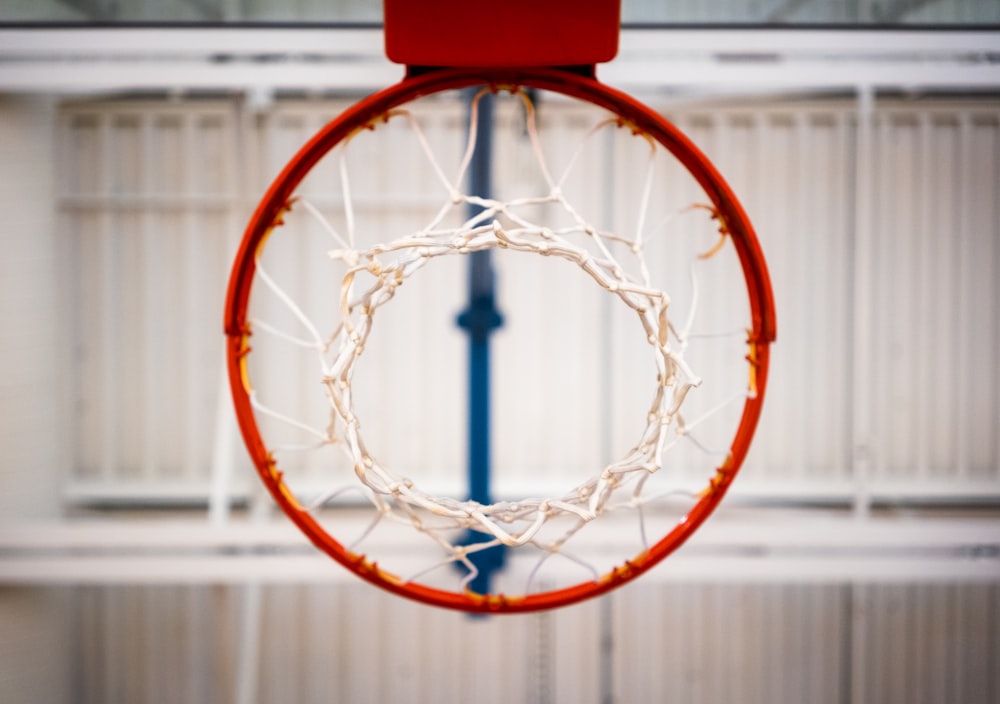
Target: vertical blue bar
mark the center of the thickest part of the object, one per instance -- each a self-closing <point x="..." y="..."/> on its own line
<point x="479" y="320"/>
<point x="479" y="403"/>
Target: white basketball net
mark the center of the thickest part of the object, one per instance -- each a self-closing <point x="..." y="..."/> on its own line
<point x="374" y="275"/>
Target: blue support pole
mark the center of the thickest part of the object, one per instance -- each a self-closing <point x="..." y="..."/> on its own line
<point x="479" y="319"/>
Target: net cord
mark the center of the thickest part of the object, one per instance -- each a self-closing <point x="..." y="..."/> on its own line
<point x="372" y="279"/>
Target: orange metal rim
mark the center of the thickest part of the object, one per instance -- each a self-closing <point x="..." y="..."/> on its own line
<point x="578" y="85"/>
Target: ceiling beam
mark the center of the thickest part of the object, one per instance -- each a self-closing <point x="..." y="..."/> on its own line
<point x="351" y="59"/>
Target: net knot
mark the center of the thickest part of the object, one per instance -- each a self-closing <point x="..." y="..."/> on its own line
<point x="498" y="232"/>
<point x="348" y="256"/>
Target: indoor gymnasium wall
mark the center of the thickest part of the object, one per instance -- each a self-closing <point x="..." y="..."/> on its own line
<point x="883" y="378"/>
<point x="151" y="195"/>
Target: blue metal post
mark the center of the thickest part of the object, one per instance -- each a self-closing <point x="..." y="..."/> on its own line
<point x="479" y="319"/>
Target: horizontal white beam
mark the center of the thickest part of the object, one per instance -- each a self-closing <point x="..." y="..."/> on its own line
<point x="686" y="566"/>
<point x="82" y="77"/>
<point x="109" y="43"/>
<point x="814" y="42"/>
<point x="739" y="528"/>
<point x="750" y="545"/>
<point x="768" y="493"/>
<point x="368" y="42"/>
<point x="812" y="74"/>
<point x="86" y="61"/>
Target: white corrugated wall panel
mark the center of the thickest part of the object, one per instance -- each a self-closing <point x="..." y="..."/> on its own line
<point x="791" y="167"/>
<point x="698" y="643"/>
<point x="155" y="644"/>
<point x="151" y="200"/>
<point x="547" y="356"/>
<point x="410" y="383"/>
<point x="935" y="398"/>
<point x="927" y="643"/>
<point x="147" y="197"/>
<point x="347" y="643"/>
<point x="724" y="643"/>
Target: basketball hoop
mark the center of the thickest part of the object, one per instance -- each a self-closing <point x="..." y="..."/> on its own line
<point x="551" y="223"/>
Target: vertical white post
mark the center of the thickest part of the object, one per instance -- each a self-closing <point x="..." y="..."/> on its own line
<point x="248" y="650"/>
<point x="110" y="326"/>
<point x="857" y="613"/>
<point x="861" y="397"/>
<point x="151" y="457"/>
<point x="251" y="615"/>
<point x="964" y="225"/>
<point x="33" y="353"/>
<point x="32" y="348"/>
<point x="223" y="458"/>
<point x="242" y="166"/>
<point x="861" y="401"/>
<point x="606" y="680"/>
